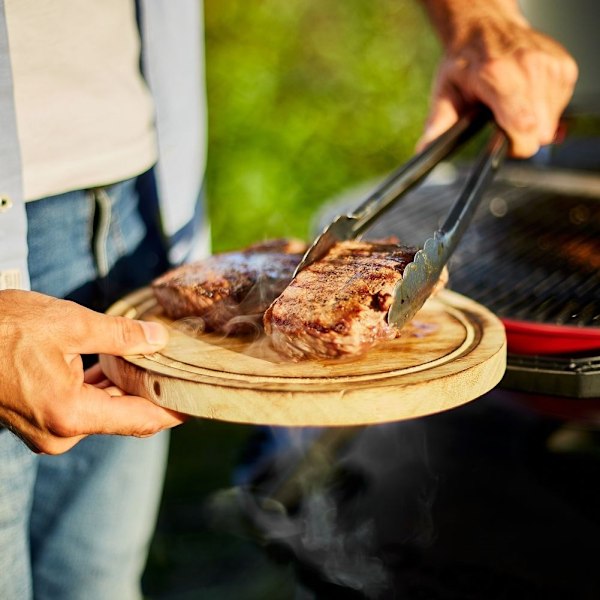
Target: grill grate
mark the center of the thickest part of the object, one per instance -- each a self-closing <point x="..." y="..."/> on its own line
<point x="532" y="252"/>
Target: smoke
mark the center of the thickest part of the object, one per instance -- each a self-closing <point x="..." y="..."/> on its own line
<point x="192" y="326"/>
<point x="330" y="499"/>
<point x="238" y="321"/>
<point x="344" y="556"/>
<point x="311" y="534"/>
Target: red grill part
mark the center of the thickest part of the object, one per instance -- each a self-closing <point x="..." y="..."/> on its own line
<point x="527" y="338"/>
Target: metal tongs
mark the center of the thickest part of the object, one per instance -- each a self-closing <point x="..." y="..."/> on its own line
<point x="421" y="275"/>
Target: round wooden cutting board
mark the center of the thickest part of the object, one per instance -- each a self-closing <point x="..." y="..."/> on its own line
<point x="452" y="352"/>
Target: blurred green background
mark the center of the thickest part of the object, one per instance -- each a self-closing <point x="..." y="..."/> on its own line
<point x="307" y="98"/>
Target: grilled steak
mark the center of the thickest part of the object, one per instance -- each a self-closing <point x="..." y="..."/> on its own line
<point x="338" y="305"/>
<point x="231" y="289"/>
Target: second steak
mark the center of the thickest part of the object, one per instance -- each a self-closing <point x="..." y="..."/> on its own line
<point x="230" y="291"/>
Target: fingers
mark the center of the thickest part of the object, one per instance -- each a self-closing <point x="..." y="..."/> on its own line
<point x="112" y="411"/>
<point x="94" y="374"/>
<point x="105" y="408"/>
<point x="96" y="377"/>
<point x="527" y="94"/>
<point x="70" y="405"/>
<point x="90" y="332"/>
<point x="513" y="109"/>
<point x="93" y="411"/>
<point x="558" y="97"/>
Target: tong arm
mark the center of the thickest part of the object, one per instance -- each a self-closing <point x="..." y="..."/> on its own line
<point x="415" y="170"/>
<point x="421" y="275"/>
<point x="351" y="226"/>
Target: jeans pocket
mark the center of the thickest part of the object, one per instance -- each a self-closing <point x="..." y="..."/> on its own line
<point x="118" y="226"/>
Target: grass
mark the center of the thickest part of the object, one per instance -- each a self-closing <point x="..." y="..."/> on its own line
<point x="307" y="98"/>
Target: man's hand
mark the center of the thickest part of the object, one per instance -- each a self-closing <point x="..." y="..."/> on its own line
<point x="492" y="56"/>
<point x="45" y="396"/>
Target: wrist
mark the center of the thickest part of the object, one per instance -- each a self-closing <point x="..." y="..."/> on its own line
<point x="457" y="21"/>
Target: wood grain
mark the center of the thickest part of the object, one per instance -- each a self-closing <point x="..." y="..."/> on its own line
<point x="453" y="352"/>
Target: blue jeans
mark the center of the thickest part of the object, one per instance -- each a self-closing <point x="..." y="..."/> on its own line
<point x="78" y="525"/>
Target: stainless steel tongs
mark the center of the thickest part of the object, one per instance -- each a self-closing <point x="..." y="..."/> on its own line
<point x="421" y="275"/>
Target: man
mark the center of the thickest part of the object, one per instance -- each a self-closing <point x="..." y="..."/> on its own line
<point x="78" y="186"/>
<point x="79" y="179"/>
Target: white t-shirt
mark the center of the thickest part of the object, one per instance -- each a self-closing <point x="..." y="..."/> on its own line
<point x="66" y="57"/>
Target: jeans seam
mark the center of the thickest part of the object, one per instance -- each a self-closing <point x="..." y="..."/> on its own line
<point x="103" y="206"/>
<point x="118" y="238"/>
<point x="91" y="199"/>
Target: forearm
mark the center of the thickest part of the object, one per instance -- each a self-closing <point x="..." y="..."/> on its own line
<point x="453" y="20"/>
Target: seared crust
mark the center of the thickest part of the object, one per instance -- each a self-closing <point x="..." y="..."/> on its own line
<point x="230" y="285"/>
<point x="338" y="305"/>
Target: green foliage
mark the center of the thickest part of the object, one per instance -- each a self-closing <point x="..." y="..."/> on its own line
<point x="306" y="99"/>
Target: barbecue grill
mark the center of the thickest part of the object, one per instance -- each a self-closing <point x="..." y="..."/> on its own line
<point x="532" y="256"/>
<point x="515" y="516"/>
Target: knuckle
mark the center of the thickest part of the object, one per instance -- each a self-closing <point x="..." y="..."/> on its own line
<point x="535" y="59"/>
<point x="498" y="78"/>
<point x="125" y="332"/>
<point x="524" y="125"/>
<point x="149" y="429"/>
<point x="65" y="427"/>
<point x="51" y="445"/>
<point x="491" y="70"/>
<point x="558" y="72"/>
<point x="62" y="423"/>
<point x="68" y="317"/>
<point x="67" y="310"/>
<point x="547" y="136"/>
<point x="518" y="128"/>
<point x="570" y="71"/>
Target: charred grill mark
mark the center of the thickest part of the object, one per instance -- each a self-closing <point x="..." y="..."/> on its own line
<point x="315" y="326"/>
<point x="341" y="327"/>
<point x="381" y="301"/>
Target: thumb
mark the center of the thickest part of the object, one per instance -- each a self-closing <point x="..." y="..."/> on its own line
<point x="91" y="332"/>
